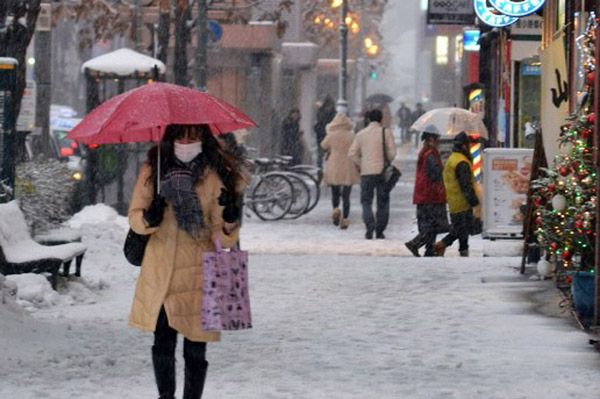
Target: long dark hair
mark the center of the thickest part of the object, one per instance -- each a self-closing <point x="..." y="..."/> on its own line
<point x="213" y="156"/>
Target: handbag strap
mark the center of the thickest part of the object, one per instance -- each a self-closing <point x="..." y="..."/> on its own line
<point x="386" y="162"/>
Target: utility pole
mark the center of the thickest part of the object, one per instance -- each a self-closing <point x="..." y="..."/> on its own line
<point x="43" y="72"/>
<point x="342" y="103"/>
<point x="361" y="86"/>
<point x="201" y="43"/>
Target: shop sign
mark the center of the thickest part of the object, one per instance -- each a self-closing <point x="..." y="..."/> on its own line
<point x="520" y="8"/>
<point x="490" y="16"/>
<point x="450" y="12"/>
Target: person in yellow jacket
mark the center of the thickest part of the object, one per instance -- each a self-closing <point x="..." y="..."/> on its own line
<point x="198" y="203"/>
<point x="461" y="197"/>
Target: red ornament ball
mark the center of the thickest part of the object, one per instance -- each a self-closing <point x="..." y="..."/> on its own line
<point x="553" y="246"/>
<point x="563" y="171"/>
<point x="590" y="78"/>
<point x="585" y="133"/>
<point x="566" y="255"/>
<point x="592" y="117"/>
<point x="551" y="187"/>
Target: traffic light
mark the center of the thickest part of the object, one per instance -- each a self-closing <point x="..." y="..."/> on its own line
<point x="373" y="72"/>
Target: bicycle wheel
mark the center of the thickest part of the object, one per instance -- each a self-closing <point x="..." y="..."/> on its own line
<point x="314" y="187"/>
<point x="301" y="198"/>
<point x="272" y="197"/>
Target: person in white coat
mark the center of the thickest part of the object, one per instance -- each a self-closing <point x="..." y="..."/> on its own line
<point x="367" y="152"/>
<point x="340" y="172"/>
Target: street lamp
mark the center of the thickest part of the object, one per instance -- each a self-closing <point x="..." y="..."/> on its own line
<point x="342" y="103"/>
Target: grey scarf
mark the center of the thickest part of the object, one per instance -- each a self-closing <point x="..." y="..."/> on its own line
<point x="179" y="191"/>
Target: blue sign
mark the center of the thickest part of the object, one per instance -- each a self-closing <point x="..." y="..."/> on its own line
<point x="490" y="16"/>
<point x="471" y="39"/>
<point x="517" y="8"/>
<point x="215" y="31"/>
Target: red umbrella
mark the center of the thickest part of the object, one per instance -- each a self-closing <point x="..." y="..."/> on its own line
<point x="142" y="114"/>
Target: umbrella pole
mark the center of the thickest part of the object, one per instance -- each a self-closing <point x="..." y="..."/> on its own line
<point x="158" y="171"/>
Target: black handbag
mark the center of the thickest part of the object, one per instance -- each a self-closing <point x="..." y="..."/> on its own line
<point x="135" y="245"/>
<point x="390" y="173"/>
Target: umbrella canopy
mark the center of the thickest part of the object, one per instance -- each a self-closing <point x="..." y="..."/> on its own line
<point x="451" y="121"/>
<point x="142" y="114"/>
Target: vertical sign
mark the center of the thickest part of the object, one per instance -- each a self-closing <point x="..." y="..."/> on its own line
<point x="26" y="120"/>
<point x="555" y="95"/>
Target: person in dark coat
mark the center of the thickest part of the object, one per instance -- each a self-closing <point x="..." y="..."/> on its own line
<point x="291" y="140"/>
<point x="404" y="115"/>
<point x="419" y="110"/>
<point x="429" y="195"/>
<point x="325" y="114"/>
<point x="459" y="183"/>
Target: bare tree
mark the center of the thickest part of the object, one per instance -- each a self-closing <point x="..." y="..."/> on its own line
<point x="17" y="25"/>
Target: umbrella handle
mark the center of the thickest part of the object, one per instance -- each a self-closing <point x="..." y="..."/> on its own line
<point x="158" y="171"/>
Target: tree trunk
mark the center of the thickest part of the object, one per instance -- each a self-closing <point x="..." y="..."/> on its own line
<point x="164" y="26"/>
<point x="15" y="39"/>
<point x="181" y="38"/>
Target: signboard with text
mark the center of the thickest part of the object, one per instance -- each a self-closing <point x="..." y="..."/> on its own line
<point x="450" y="12"/>
<point x="506" y="173"/>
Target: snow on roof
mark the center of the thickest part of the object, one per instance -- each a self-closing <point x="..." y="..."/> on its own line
<point x="8" y="60"/>
<point x="123" y="62"/>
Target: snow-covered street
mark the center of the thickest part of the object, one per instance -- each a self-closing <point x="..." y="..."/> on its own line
<point x="335" y="316"/>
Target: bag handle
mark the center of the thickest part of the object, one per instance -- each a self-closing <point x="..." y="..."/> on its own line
<point x="386" y="162"/>
<point x="219" y="247"/>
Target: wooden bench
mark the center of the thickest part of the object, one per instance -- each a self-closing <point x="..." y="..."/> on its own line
<point x="19" y="253"/>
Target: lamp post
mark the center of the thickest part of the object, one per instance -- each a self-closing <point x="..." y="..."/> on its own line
<point x="342" y="103"/>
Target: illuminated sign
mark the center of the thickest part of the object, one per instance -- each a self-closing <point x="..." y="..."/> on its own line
<point x="490" y="16"/>
<point x="517" y="8"/>
<point x="471" y="39"/>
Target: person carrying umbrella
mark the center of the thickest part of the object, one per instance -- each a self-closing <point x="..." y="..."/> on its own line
<point x="459" y="183"/>
<point x="429" y="195"/>
<point x="200" y="186"/>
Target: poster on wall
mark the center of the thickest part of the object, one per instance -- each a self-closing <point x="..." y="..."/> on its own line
<point x="506" y="173"/>
<point x="555" y="95"/>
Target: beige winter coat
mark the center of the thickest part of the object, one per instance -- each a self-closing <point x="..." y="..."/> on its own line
<point x="367" y="149"/>
<point x="171" y="272"/>
<point x="339" y="169"/>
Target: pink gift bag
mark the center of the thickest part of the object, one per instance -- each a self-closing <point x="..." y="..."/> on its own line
<point x="225" y="300"/>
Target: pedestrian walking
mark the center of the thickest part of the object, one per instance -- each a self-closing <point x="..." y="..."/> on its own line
<point x="367" y="152"/>
<point x="429" y="195"/>
<point x="340" y="172"/>
<point x="325" y="114"/>
<point x="419" y="110"/>
<point x="404" y="115"/>
<point x="459" y="183"/>
<point x="196" y="205"/>
<point x="291" y="137"/>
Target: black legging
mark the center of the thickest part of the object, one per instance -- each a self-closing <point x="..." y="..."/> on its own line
<point x="165" y="340"/>
<point x="344" y="193"/>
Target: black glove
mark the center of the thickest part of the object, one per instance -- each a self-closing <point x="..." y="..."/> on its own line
<point x="154" y="214"/>
<point x="231" y="212"/>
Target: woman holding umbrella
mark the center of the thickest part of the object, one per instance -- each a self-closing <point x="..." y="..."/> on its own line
<point x="200" y="185"/>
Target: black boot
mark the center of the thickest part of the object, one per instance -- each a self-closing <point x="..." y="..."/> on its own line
<point x="164" y="372"/>
<point x="194" y="354"/>
<point x="195" y="375"/>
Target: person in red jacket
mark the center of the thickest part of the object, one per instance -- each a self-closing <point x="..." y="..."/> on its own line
<point x="429" y="195"/>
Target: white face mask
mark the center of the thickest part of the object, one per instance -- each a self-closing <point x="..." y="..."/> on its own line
<point x="186" y="152"/>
